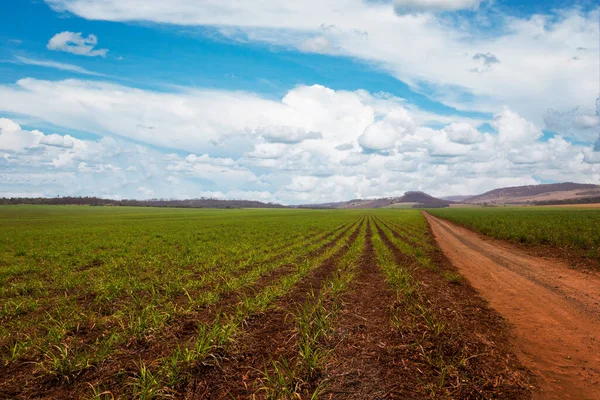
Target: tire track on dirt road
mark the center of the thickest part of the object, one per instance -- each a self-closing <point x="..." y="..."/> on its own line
<point x="554" y="310"/>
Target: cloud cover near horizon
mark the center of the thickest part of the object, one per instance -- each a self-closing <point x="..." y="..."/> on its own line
<point x="523" y="92"/>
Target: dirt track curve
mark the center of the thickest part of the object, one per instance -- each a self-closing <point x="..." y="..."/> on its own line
<point x="555" y="310"/>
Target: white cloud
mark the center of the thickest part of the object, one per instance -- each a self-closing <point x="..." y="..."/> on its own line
<point x="512" y="128"/>
<point x="463" y="133"/>
<point x="441" y="146"/>
<point x="317" y="44"/>
<point x="383" y="135"/>
<point x="591" y="156"/>
<point x="239" y="144"/>
<point x="191" y="120"/>
<point x="41" y="149"/>
<point x="415" y="6"/>
<point x="56" y="65"/>
<point x="113" y="169"/>
<point x="13" y="139"/>
<point x="208" y="121"/>
<point x="206" y="159"/>
<point x="404" y="163"/>
<point x="286" y="134"/>
<point x="145" y="192"/>
<point x="303" y="184"/>
<point x="485" y="60"/>
<point x="355" y="158"/>
<point x="58" y="141"/>
<point x="532" y="63"/>
<point x="268" y="151"/>
<point x="75" y="43"/>
<point x="223" y="172"/>
<point x="580" y="124"/>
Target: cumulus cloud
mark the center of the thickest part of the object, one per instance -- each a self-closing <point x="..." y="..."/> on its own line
<point x="441" y="146"/>
<point x="463" y="133"/>
<point x="355" y="158"/>
<point x="111" y="168"/>
<point x="514" y="129"/>
<point x="205" y="159"/>
<point x="13" y="139"/>
<point x="286" y="134"/>
<point x="384" y="134"/>
<point x="76" y="43"/>
<point x="404" y="163"/>
<point x="591" y="156"/>
<point x="56" y="140"/>
<point x="344" y="146"/>
<point x="224" y="173"/>
<point x="43" y="149"/>
<point x="303" y="184"/>
<point x="232" y="143"/>
<point x="268" y="151"/>
<point x="204" y="121"/>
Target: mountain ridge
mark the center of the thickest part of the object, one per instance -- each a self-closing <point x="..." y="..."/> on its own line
<point x="410" y="198"/>
<point x="546" y="194"/>
<point x="531" y="194"/>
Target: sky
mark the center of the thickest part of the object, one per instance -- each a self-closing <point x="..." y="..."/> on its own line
<point x="296" y="102"/>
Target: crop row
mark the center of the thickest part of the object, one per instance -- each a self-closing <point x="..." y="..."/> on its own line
<point x="70" y="334"/>
<point x="235" y="304"/>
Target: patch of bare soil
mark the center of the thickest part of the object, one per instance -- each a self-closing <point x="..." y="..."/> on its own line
<point x="554" y="310"/>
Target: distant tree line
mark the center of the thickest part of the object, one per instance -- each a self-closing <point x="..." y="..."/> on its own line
<point x="584" y="200"/>
<point x="202" y="202"/>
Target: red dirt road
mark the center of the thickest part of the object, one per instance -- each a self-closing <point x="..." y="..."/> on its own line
<point x="555" y="311"/>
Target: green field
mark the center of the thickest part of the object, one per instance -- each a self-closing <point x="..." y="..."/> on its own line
<point x="401" y="205"/>
<point x="99" y="302"/>
<point x="570" y="229"/>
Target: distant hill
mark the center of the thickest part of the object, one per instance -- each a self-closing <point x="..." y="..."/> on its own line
<point x="356" y="203"/>
<point x="555" y="193"/>
<point x="423" y="199"/>
<point x="533" y="194"/>
<point x="457" y="199"/>
<point x="96" y="201"/>
<point x="412" y="199"/>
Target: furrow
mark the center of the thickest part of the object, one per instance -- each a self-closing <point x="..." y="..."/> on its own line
<point x="266" y="335"/>
<point x="227" y="308"/>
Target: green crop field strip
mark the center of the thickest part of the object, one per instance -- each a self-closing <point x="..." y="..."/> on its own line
<point x="118" y="302"/>
<point x="575" y="231"/>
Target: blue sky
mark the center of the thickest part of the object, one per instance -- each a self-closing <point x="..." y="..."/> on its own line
<point x="310" y="101"/>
